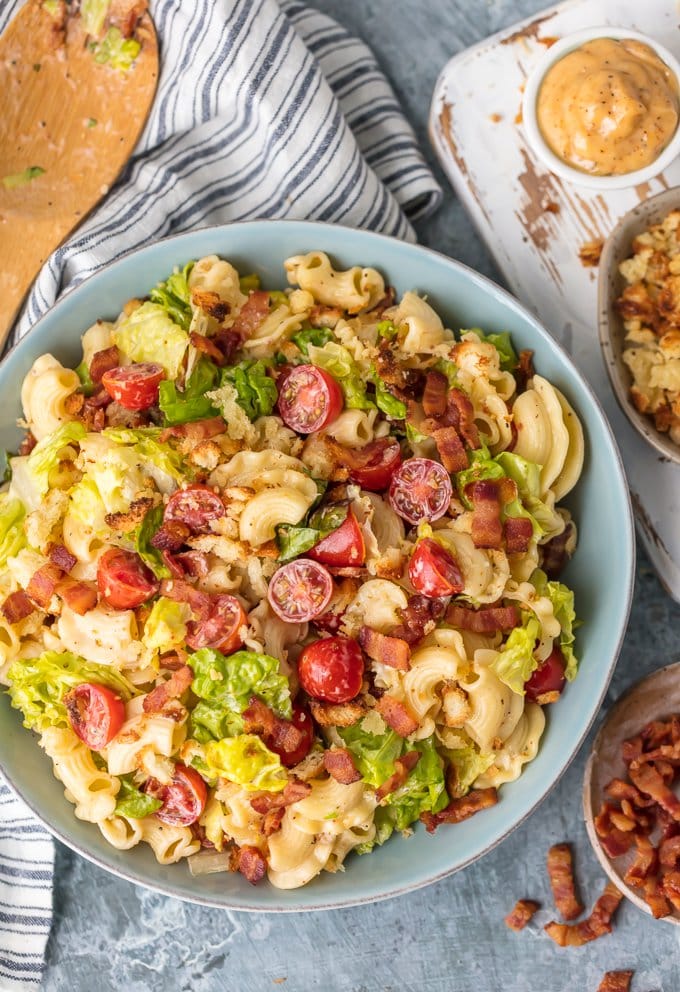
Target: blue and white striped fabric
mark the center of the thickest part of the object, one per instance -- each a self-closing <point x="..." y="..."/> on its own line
<point x="263" y="110"/>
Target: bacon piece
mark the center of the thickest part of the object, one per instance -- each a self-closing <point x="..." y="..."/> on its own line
<point x="402" y="769"/>
<point x="521" y="914"/>
<point x="486" y="621"/>
<point x="194" y="563"/>
<point x="419" y="617"/>
<point x="655" y="897"/>
<point x="78" y="596"/>
<point x="555" y="553"/>
<point x="649" y="781"/>
<point x="631" y="749"/>
<point x="655" y="733"/>
<point x="355" y="458"/>
<point x="618" y="789"/>
<point x="170" y="536"/>
<point x="615" y="981"/>
<point x="339" y="764"/>
<point x="596" y="925"/>
<point x="172" y="688"/>
<point x="17" y="607"/>
<point x="199" y="430"/>
<point x="434" y="396"/>
<point x="337" y="714"/>
<point x="250" y="862"/>
<point x="294" y="791"/>
<point x="449" y="446"/>
<point x="28" y="443"/>
<point x="206" y="346"/>
<point x="406" y="383"/>
<point x="104" y="361"/>
<point x="669" y="852"/>
<point x="282" y="735"/>
<point x="671" y="888"/>
<point x="43" y="583"/>
<point x="251" y="314"/>
<point x="561" y="875"/>
<point x="487" y="529"/>
<point x="61" y="557"/>
<point x="463" y="416"/>
<point x="518" y="534"/>
<point x="396" y="715"/>
<point x="525" y="369"/>
<point x="391" y="651"/>
<point x="182" y="592"/>
<point x="461" y="809"/>
<point x="614" y="841"/>
<point x="646" y="863"/>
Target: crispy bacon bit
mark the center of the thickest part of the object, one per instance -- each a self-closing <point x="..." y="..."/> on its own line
<point x="339" y="764"/>
<point x="404" y="382"/>
<point x="671" y="888"/>
<point x="521" y="914"/>
<point x="337" y="714"/>
<point x="649" y="781"/>
<point x="463" y="416"/>
<point x="615" y="981"/>
<point x="518" y="534"/>
<point x="251" y="863"/>
<point x="646" y="863"/>
<point x="199" y="430"/>
<point x="396" y="715"/>
<point x="272" y="821"/>
<point x="614" y="841"/>
<point x="449" y="446"/>
<point x="589" y="253"/>
<point x="61" y="557"/>
<point x="206" y="346"/>
<point x="251" y="314"/>
<point x="487" y="529"/>
<point x="172" y="688"/>
<point x="561" y="875"/>
<point x="281" y="734"/>
<point x="618" y="789"/>
<point x="596" y="925"/>
<point x="17" y="607"/>
<point x="461" y="809"/>
<point x="28" y="443"/>
<point x="355" y="458"/>
<point x="104" y="361"/>
<point x="655" y="898"/>
<point x="525" y="369"/>
<point x="118" y="415"/>
<point x="486" y="621"/>
<point x="173" y="566"/>
<point x="419" y="617"/>
<point x="435" y="395"/>
<point x="182" y="592"/>
<point x="402" y="769"/>
<point x="194" y="563"/>
<point x="294" y="791"/>
<point x="212" y="304"/>
<point x="391" y="651"/>
<point x="93" y="414"/>
<point x="78" y="596"/>
<point x="170" y="536"/>
<point x="43" y="584"/>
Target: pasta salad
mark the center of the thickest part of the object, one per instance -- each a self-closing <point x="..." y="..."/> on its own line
<point x="279" y="570"/>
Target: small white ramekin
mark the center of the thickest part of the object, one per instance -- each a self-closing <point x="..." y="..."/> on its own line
<point x="538" y="142"/>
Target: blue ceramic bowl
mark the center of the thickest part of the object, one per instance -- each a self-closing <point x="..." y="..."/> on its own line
<point x="601" y="572"/>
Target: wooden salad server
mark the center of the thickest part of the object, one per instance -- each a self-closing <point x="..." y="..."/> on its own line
<point x="77" y="81"/>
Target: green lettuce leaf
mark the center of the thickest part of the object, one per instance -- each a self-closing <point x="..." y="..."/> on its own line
<point x="413" y="436"/>
<point x="562" y="599"/>
<point x="449" y="369"/>
<point x="249" y="283"/>
<point x="246" y="760"/>
<point x="183" y="407"/>
<point x="469" y="764"/>
<point x="38" y="685"/>
<point x="318" y="336"/>
<point x="142" y="535"/>
<point x="132" y="802"/>
<point x="339" y="363"/>
<point x="225" y="685"/>
<point x="516" y="661"/>
<point x="374" y="754"/>
<point x="502" y="344"/>
<point x="256" y="391"/>
<point x="166" y="625"/>
<point x="174" y="296"/>
<point x="387" y="329"/>
<point x="149" y="334"/>
<point x="423" y="791"/>
<point x="117" y="51"/>
<point x="295" y="539"/>
<point x="33" y="480"/>
<point x="159" y="459"/>
<point x="12" y="536"/>
<point x="83" y="372"/>
<point x="482" y="466"/>
<point x="384" y="400"/>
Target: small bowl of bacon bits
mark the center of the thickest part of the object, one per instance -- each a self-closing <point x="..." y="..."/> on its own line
<point x="631" y="794"/>
<point x="639" y="318"/>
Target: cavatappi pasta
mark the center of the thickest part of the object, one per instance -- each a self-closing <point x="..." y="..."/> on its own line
<point x="278" y="569"/>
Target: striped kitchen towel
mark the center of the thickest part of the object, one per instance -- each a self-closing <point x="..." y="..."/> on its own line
<point x="263" y="110"/>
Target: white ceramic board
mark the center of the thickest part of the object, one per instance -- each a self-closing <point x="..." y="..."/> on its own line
<point x="535" y="224"/>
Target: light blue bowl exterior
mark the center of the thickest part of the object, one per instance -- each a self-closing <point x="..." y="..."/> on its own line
<point x="601" y="572"/>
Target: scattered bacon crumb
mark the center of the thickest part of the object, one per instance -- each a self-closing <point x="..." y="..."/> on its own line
<point x="596" y="925"/>
<point x="61" y="557"/>
<point x="206" y="346"/>
<point x="251" y="314"/>
<point x="615" y="981"/>
<point x="272" y="821"/>
<point x="396" y="715"/>
<point x="589" y="253"/>
<point x="339" y="764"/>
<point x="294" y="791"/>
<point x="551" y="207"/>
<point x="28" y="444"/>
<point x="281" y="735"/>
<point x="172" y="688"/>
<point x="449" y="446"/>
<point x="198" y="430"/>
<point x="518" y="534"/>
<point x="171" y="535"/>
<point x="435" y="394"/>
<point x="463" y="416"/>
<point x="402" y="769"/>
<point x="194" y="563"/>
<point x="104" y="361"/>
<point x="561" y="875"/>
<point x="391" y="651"/>
<point x="525" y="369"/>
<point x="461" y="809"/>
<point x="487" y="529"/>
<point x="521" y="914"/>
<point x="78" y="596"/>
<point x="555" y="554"/>
<point x="418" y="617"/>
<point x="250" y="862"/>
<point x="183" y="592"/>
<point x="485" y="621"/>
<point x="17" y="607"/>
<point x="43" y="583"/>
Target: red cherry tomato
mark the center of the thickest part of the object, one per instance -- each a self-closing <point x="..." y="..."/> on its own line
<point x="195" y="506"/>
<point x="343" y="546"/>
<point x="332" y="669"/>
<point x="123" y="579"/>
<point x="300" y="590"/>
<point x="183" y="799"/>
<point x="383" y="458"/>
<point x="134" y="386"/>
<point x="421" y="490"/>
<point x="548" y="677"/>
<point x="433" y="571"/>
<point x="309" y="399"/>
<point x="221" y="628"/>
<point x="303" y="722"/>
<point x="96" y="713"/>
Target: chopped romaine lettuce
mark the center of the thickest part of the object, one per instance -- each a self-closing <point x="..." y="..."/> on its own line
<point x="469" y="764"/>
<point x="249" y="283"/>
<point x="337" y="360"/>
<point x="149" y="334"/>
<point x="87" y="506"/>
<point x="562" y="599"/>
<point x="256" y="391"/>
<point x="117" y="51"/>
<point x="83" y="373"/>
<point x="449" y="369"/>
<point x="516" y="661"/>
<point x="246" y="760"/>
<point x="318" y="336"/>
<point x="385" y="401"/>
<point x="183" y="407"/>
<point x="142" y="535"/>
<point x="424" y="789"/>
<point x="174" y="296"/>
<point x="132" y="802"/>
<point x="295" y="539"/>
<point x="387" y="329"/>
<point x="32" y="472"/>
<point x="158" y="459"/>
<point x="12" y="536"/>
<point x="166" y="625"/>
<point x="38" y="685"/>
<point x="482" y="466"/>
<point x="413" y="436"/>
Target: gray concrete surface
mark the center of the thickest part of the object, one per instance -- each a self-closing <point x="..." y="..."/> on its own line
<point x="109" y="936"/>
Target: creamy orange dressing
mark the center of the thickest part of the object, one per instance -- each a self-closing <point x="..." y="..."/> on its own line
<point x="609" y="107"/>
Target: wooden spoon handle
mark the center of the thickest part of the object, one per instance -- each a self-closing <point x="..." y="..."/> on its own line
<point x="20" y="261"/>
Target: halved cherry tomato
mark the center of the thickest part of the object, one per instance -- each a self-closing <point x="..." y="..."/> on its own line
<point x="302" y="721"/>
<point x="548" y="677"/>
<point x="343" y="546"/>
<point x="421" y="490"/>
<point x="195" y="506"/>
<point x="309" y="399"/>
<point x="134" y="386"/>
<point x="123" y="579"/>
<point x="332" y="669"/>
<point x="221" y="628"/>
<point x="433" y="571"/>
<point x="183" y="799"/>
<point x="382" y="459"/>
<point x="96" y="713"/>
<point x="300" y="590"/>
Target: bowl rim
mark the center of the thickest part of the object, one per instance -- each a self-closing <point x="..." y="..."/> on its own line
<point x="530" y="118"/>
<point x="643" y="212"/>
<point x="628" y="535"/>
